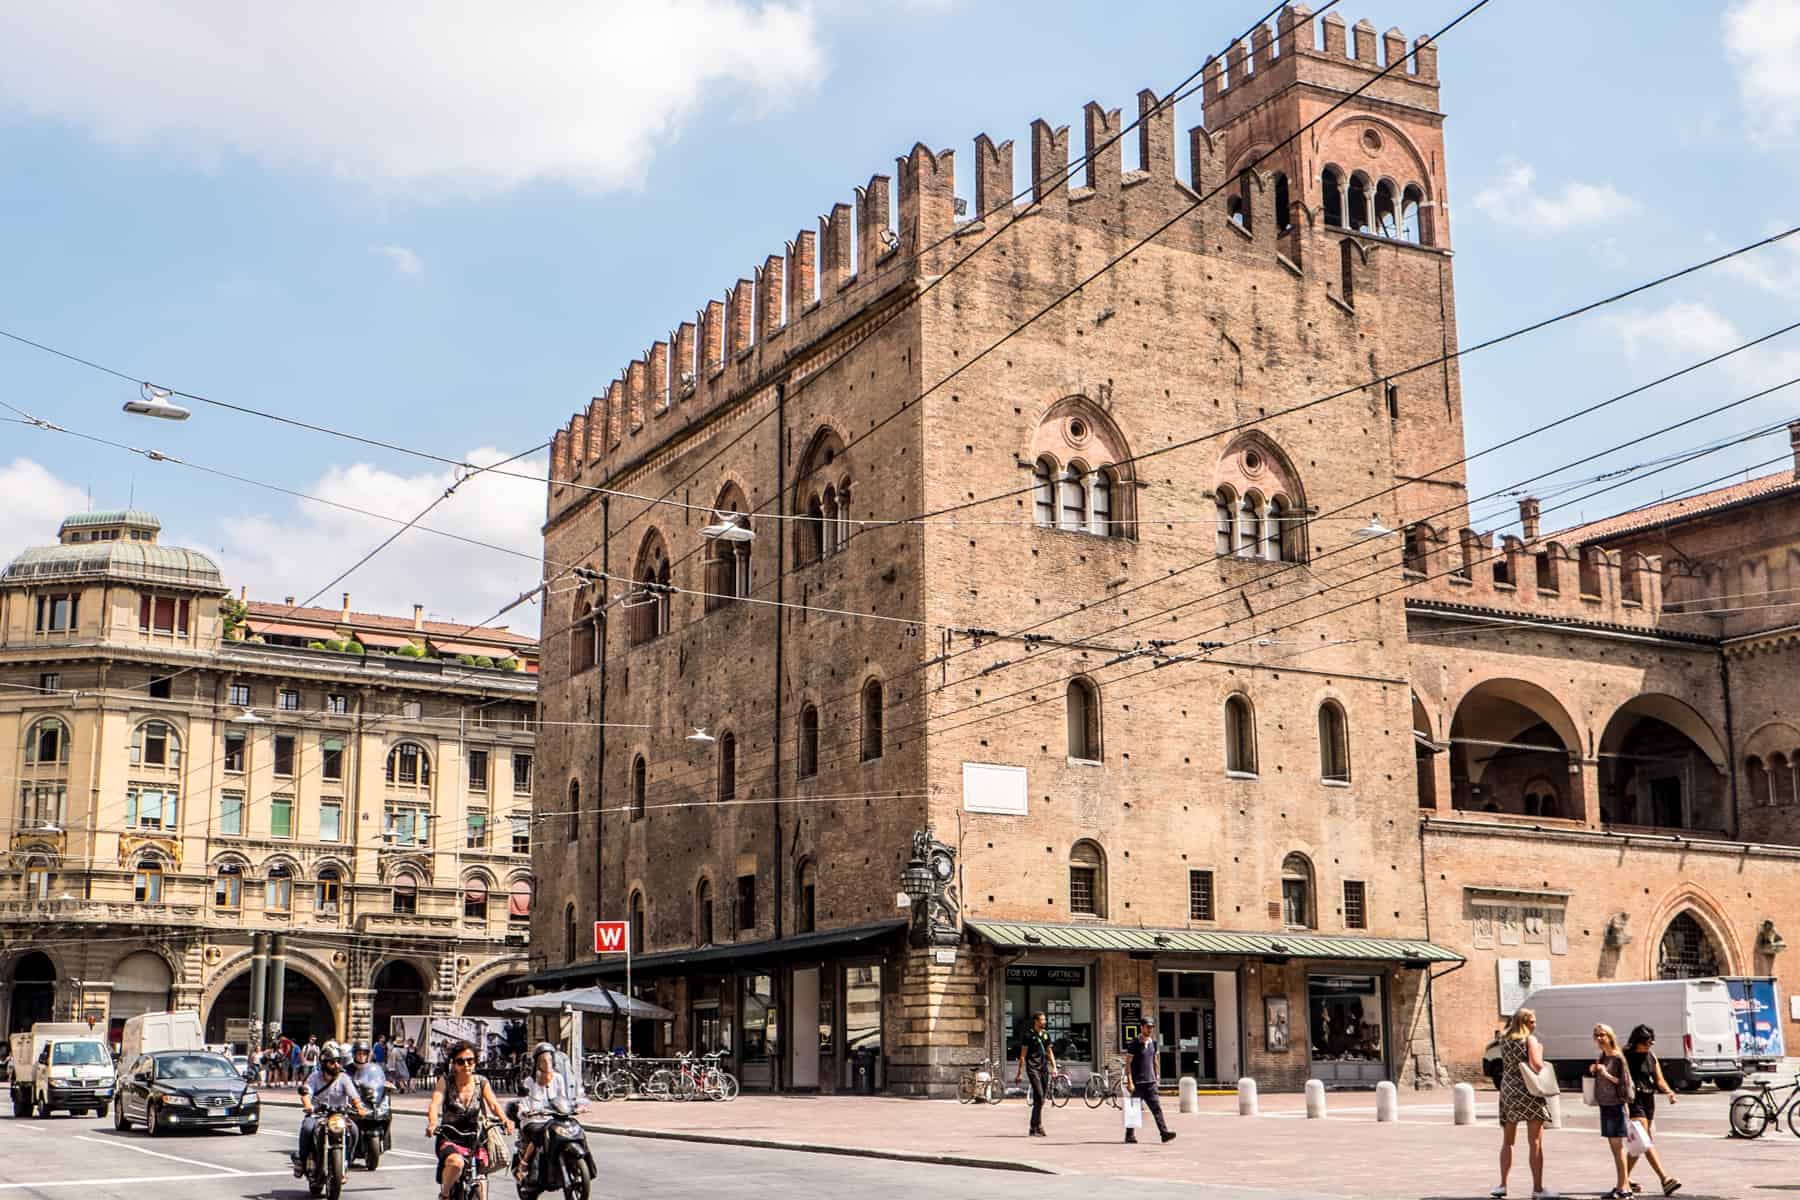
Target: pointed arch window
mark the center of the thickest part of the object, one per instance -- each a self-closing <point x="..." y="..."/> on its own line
<point x="652" y="602"/>
<point x="1412" y="202"/>
<point x="1333" y="184"/>
<point x="1283" y="218"/>
<point x="728" y="560"/>
<point x="1334" y="743"/>
<point x="639" y="783"/>
<point x="1043" y="480"/>
<point x="1240" y="736"/>
<point x="822" y="497"/>
<point x="1387" y="217"/>
<point x="1225" y="520"/>
<point x="703" y="913"/>
<point x="1359" y="202"/>
<point x="872" y="716"/>
<point x="582" y="639"/>
<point x="1083" y="710"/>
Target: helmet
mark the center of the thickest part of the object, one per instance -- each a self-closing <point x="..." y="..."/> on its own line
<point x="329" y="1053"/>
<point x="360" y="1046"/>
<point x="542" y="1048"/>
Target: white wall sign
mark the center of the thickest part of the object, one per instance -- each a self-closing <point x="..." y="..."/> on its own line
<point x="989" y="788"/>
<point x="1519" y="977"/>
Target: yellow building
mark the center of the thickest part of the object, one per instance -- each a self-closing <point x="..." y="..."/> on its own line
<point x="191" y="770"/>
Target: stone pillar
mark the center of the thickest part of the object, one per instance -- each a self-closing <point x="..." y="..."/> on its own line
<point x="277" y="981"/>
<point x="362" y="1014"/>
<point x="1584" y="781"/>
<point x="259" y="984"/>
<point x="1440" y="776"/>
<point x="942" y="1023"/>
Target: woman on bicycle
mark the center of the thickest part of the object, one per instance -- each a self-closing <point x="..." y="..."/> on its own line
<point x="546" y="1088"/>
<point x="454" y="1118"/>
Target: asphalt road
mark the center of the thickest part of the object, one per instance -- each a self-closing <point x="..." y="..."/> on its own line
<point x="67" y="1157"/>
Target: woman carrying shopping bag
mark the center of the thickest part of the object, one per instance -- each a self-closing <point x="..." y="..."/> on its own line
<point x="1646" y="1082"/>
<point x="1611" y="1086"/>
<point x="1521" y="1054"/>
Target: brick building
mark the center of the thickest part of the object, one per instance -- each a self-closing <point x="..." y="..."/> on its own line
<point x="1152" y="689"/>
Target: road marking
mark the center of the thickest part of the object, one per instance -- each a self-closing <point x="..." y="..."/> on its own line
<point x="125" y="1145"/>
<point x="48" y="1183"/>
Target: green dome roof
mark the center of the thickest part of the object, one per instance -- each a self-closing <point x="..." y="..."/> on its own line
<point x="128" y="561"/>
<point x="130" y="517"/>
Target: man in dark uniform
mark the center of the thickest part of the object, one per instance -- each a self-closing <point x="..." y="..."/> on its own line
<point x="1140" y="1057"/>
<point x="1036" y="1061"/>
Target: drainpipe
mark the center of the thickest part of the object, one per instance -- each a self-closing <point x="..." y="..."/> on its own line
<point x="780" y="632"/>
<point x="1730" y="737"/>
<point x="602" y="633"/>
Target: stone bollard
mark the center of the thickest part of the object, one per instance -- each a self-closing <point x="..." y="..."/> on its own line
<point x="1315" y="1100"/>
<point x="1189" y="1089"/>
<point x="1555" y="1103"/>
<point x="1462" y="1104"/>
<point x="1387" y="1102"/>
<point x="1247" y="1102"/>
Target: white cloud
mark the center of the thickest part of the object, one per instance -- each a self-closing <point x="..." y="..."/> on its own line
<point x="408" y="95"/>
<point x="404" y="261"/>
<point x="1774" y="269"/>
<point x="295" y="551"/>
<point x="1685" y="331"/>
<point x="32" y="503"/>
<point x="1515" y="200"/>
<point x="1762" y="39"/>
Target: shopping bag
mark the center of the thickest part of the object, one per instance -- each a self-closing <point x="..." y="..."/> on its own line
<point x="1637" y="1139"/>
<point x="1134" y="1113"/>
<point x="1587" y="1092"/>
<point x="1539" y="1083"/>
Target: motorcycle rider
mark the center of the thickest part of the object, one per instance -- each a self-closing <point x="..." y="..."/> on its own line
<point x="364" y="1070"/>
<point x="327" y="1086"/>
<point x="547" y="1086"/>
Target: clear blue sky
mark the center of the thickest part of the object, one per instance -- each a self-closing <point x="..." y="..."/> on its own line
<point x="451" y="233"/>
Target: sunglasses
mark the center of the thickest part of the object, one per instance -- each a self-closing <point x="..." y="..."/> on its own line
<point x="464" y="1062"/>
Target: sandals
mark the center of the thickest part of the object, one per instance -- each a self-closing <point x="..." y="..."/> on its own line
<point x="1671" y="1186"/>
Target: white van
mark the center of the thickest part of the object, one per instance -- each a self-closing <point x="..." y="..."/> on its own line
<point x="1695" y="1024"/>
<point x="152" y="1033"/>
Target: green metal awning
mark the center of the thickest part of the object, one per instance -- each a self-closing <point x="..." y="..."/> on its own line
<point x="1021" y="935"/>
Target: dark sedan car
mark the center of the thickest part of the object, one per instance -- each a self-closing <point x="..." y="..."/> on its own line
<point x="185" y="1089"/>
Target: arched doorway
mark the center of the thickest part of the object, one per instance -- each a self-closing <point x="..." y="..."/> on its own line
<point x="399" y="992"/>
<point x="1511" y="748"/>
<point x="1659" y="766"/>
<point x="142" y="983"/>
<point x="305" y="1009"/>
<point x="33" y="992"/>
<point x="1687" y="952"/>
<point x="505" y="987"/>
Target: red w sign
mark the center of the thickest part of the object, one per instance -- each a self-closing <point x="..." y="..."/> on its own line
<point x="611" y="937"/>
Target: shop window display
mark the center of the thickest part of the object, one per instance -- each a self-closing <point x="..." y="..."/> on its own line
<point x="1345" y="1018"/>
<point x="1063" y="996"/>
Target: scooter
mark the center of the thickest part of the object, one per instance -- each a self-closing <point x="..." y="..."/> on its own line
<point x="373" y="1128"/>
<point x="333" y="1149"/>
<point x="563" y="1162"/>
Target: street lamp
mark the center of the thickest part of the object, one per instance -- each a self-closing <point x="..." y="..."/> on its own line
<point x="154" y="402"/>
<point x="727" y="527"/>
<point x="248" y="717"/>
<point x="1374" y="528"/>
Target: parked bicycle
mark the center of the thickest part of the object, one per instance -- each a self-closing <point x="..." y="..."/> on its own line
<point x="1062" y="1089"/>
<point x="981" y="1082"/>
<point x="1757" y="1108"/>
<point x="1106" y="1086"/>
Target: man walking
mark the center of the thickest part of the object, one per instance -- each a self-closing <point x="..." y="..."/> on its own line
<point x="1140" y="1055"/>
<point x="1036" y="1061"/>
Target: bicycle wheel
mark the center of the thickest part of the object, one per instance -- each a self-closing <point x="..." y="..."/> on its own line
<point x="728" y="1086"/>
<point x="996" y="1091"/>
<point x="1060" y="1092"/>
<point x="965" y="1089"/>
<point x="1094" y="1095"/>
<point x="1749" y="1116"/>
<point x="660" y="1085"/>
<point x="684" y="1087"/>
<point x="1793" y="1116"/>
<point x="1116" y="1096"/>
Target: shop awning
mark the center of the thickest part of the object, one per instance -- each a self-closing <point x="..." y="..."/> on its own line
<point x="1016" y="935"/>
<point x="723" y="958"/>
<point x="590" y="999"/>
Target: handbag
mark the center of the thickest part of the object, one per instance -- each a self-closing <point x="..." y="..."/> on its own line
<point x="1541" y="1083"/>
<point x="1588" y="1083"/>
<point x="1134" y="1113"/>
<point x="493" y="1136"/>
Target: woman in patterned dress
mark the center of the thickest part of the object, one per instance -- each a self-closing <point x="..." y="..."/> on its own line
<point x="1519" y="1045"/>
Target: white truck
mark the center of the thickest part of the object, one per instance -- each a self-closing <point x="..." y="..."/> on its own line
<point x="151" y="1033"/>
<point x="62" y="1065"/>
<point x="1696" y="1027"/>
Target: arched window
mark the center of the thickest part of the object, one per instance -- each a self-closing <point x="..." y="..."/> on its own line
<point x="408" y="766"/>
<point x="1245" y="212"/>
<point x="1297" y="892"/>
<point x="1234" y="208"/>
<point x="228" y="888"/>
<point x="1087" y="879"/>
<point x="1100" y="504"/>
<point x="636" y="911"/>
<point x="703" y="913"/>
<point x="871" y="720"/>
<point x="147" y="881"/>
<point x="278" y="889"/>
<point x="328" y="891"/>
<point x="1781" y="779"/>
<point x="1073" y="495"/>
<point x="573" y="816"/>
<point x="727" y="768"/>
<point x="822" y="495"/>
<point x="639" y="780"/>
<point x="475" y="898"/>
<point x="1686" y="952"/>
<point x="1240" y="736"/>
<point x="1589" y="571"/>
<point x="651" y="604"/>
<point x="582" y="639"/>
<point x="1283" y="218"/>
<point x="1334" y="743"/>
<point x="1273" y="512"/>
<point x="1411" y="213"/>
<point x="1756" y="777"/>
<point x="809" y="741"/>
<point x="47" y="743"/>
<point x="1359" y="202"/>
<point x="570" y="943"/>
<point x="841" y="536"/>
<point x="1333" y="184"/>
<point x="1249" y="524"/>
<point x="156" y="744"/>
<point x="1043" y="492"/>
<point x="728" y="558"/>
<point x="1387" y="217"/>
<point x="817" y="539"/>
<point x="1083" y="703"/>
<point x="1225" y="520"/>
<point x="806" y="899"/>
<point x="518" y="902"/>
<point x="406" y="893"/>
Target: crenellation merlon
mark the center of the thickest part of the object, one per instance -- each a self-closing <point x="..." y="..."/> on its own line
<point x="1049" y="166"/>
<point x="659" y="376"/>
<point x="770" y="289"/>
<point x="835" y="269"/>
<point x="1156" y="136"/>
<point x="737" y="319"/>
<point x="801" y="257"/>
<point x="615" y="414"/>
<point x="993" y="180"/>
<point x="873" y="215"/>
<point x="578" y="436"/>
<point x="1104" y="157"/>
<point x="927" y="198"/>
<point x="712" y="339"/>
<point x="683" y="372"/>
<point x="596" y="432"/>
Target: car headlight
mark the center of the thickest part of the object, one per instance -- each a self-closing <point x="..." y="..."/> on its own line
<point x="173" y="1100"/>
<point x="251" y="1097"/>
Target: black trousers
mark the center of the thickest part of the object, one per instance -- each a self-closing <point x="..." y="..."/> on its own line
<point x="1038" y="1079"/>
<point x="1147" y="1093"/>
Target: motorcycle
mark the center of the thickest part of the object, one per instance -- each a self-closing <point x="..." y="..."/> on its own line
<point x="333" y="1149"/>
<point x="373" y="1128"/>
<point x="563" y="1162"/>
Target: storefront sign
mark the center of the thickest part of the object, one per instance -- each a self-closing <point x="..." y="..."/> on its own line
<point x="1045" y="975"/>
<point x="1343" y="985"/>
<point x="1131" y="1018"/>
